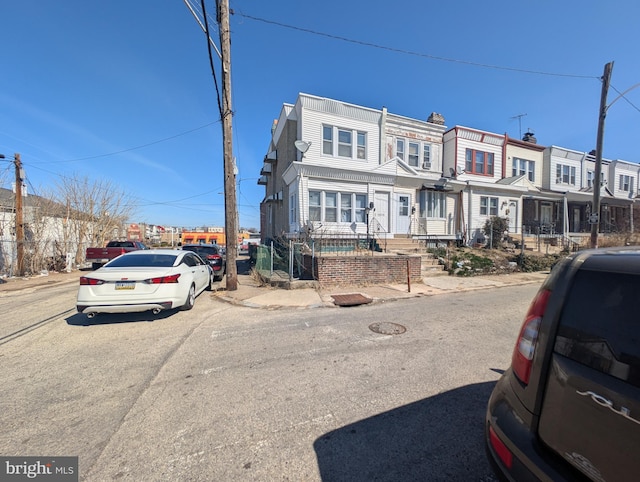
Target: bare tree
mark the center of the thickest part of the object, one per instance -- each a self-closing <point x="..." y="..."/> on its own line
<point x="96" y="211"/>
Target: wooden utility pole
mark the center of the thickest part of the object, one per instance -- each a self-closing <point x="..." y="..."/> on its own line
<point x="230" y="204"/>
<point x="19" y="217"/>
<point x="595" y="208"/>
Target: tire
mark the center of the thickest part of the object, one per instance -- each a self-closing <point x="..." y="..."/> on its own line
<point x="209" y="287"/>
<point x="191" y="299"/>
<point x="219" y="277"/>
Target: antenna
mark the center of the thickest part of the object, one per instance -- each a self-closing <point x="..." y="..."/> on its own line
<point x="519" y="117"/>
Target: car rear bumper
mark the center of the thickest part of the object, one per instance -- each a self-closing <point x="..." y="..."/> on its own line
<point x="530" y="461"/>
<point x="134" y="308"/>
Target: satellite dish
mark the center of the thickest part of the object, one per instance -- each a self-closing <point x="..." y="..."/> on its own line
<point x="302" y="146"/>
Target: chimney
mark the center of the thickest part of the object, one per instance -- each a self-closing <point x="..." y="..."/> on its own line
<point x="530" y="137"/>
<point x="436" y="118"/>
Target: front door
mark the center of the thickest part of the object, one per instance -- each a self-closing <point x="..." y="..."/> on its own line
<point x="512" y="216"/>
<point x="576" y="220"/>
<point x="380" y="225"/>
<point x="546" y="213"/>
<point x="403" y="215"/>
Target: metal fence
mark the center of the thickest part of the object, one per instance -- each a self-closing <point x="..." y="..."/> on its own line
<point x="40" y="256"/>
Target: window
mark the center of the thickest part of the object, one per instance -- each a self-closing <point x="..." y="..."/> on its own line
<point x="565" y="174"/>
<point x="325" y="206"/>
<point x="315" y="206"/>
<point x="293" y="217"/>
<point x="331" y="207"/>
<point x="362" y="145"/>
<point x="345" y="142"/>
<point x="345" y="208"/>
<point x="400" y="148"/>
<point x="432" y="204"/>
<point x="403" y="205"/>
<point x="488" y="206"/>
<point x="479" y="162"/>
<point x="327" y="140"/>
<point x="426" y="156"/>
<point x="361" y="207"/>
<point x="591" y="175"/>
<point x="414" y="154"/>
<point x="523" y="167"/>
<point x="626" y="183"/>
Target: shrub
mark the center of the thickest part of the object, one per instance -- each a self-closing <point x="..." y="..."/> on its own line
<point x="469" y="264"/>
<point x="494" y="229"/>
<point x="529" y="264"/>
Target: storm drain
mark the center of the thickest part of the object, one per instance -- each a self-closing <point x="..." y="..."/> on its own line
<point x="387" y="328"/>
<point x="353" y="299"/>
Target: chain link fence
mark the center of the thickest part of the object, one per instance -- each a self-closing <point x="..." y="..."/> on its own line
<point x="40" y="256"/>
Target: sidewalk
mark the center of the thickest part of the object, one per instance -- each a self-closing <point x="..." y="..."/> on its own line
<point x="252" y="294"/>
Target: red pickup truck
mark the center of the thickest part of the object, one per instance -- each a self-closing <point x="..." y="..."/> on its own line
<point x="99" y="256"/>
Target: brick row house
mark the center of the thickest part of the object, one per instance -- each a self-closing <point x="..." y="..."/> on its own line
<point x="335" y="169"/>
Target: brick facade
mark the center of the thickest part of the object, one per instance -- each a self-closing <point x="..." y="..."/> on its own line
<point x="363" y="270"/>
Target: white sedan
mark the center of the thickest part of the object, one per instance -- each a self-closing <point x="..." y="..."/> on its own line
<point x="144" y="280"/>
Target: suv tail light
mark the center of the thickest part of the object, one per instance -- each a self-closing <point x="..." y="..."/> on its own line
<point x="522" y="359"/>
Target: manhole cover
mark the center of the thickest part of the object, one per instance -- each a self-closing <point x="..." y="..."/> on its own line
<point x="387" y="328"/>
<point x="353" y="299"/>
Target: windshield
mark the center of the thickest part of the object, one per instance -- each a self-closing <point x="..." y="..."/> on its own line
<point x="203" y="250"/>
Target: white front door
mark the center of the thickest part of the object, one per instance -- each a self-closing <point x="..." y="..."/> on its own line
<point x="403" y="213"/>
<point x="512" y="216"/>
<point x="381" y="214"/>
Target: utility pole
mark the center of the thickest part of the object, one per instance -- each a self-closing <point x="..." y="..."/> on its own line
<point x="595" y="208"/>
<point x="19" y="216"/>
<point x="230" y="204"/>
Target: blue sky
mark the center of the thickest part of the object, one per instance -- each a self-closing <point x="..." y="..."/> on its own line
<point x="122" y="90"/>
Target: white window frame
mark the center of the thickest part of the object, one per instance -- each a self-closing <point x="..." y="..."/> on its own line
<point x="413" y="154"/>
<point x="433" y="205"/>
<point x="327" y="140"/>
<point x="293" y="208"/>
<point x="565" y="174"/>
<point x="344" y="143"/>
<point x="328" y="211"/>
<point x="489" y="206"/>
<point x="521" y="167"/>
<point x="626" y="183"/>
<point x="400" y="149"/>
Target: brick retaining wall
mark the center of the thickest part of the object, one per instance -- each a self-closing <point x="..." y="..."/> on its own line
<point x="360" y="270"/>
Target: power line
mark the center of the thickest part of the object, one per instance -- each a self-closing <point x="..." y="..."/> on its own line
<point x="623" y="97"/>
<point x="130" y="148"/>
<point x="410" y="52"/>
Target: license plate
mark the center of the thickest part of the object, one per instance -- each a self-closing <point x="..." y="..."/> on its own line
<point x="125" y="285"/>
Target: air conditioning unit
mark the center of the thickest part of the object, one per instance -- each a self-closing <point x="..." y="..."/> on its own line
<point x="558" y="180"/>
<point x="426" y="165"/>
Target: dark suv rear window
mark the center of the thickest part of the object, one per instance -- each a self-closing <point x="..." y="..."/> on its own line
<point x="600" y="324"/>
<point x="202" y="250"/>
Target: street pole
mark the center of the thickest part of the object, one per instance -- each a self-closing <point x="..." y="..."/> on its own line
<point x="595" y="209"/>
<point x="19" y="217"/>
<point x="230" y="204"/>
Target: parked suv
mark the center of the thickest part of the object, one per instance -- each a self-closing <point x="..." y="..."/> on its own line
<point x="568" y="408"/>
<point x="211" y="254"/>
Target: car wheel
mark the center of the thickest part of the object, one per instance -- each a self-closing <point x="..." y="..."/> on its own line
<point x="209" y="287"/>
<point x="191" y="299"/>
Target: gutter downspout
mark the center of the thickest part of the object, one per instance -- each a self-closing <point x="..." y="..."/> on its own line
<point x="469" y="211"/>
<point x="383" y="136"/>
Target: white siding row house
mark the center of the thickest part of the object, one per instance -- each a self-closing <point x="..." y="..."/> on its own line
<point x="337" y="169"/>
